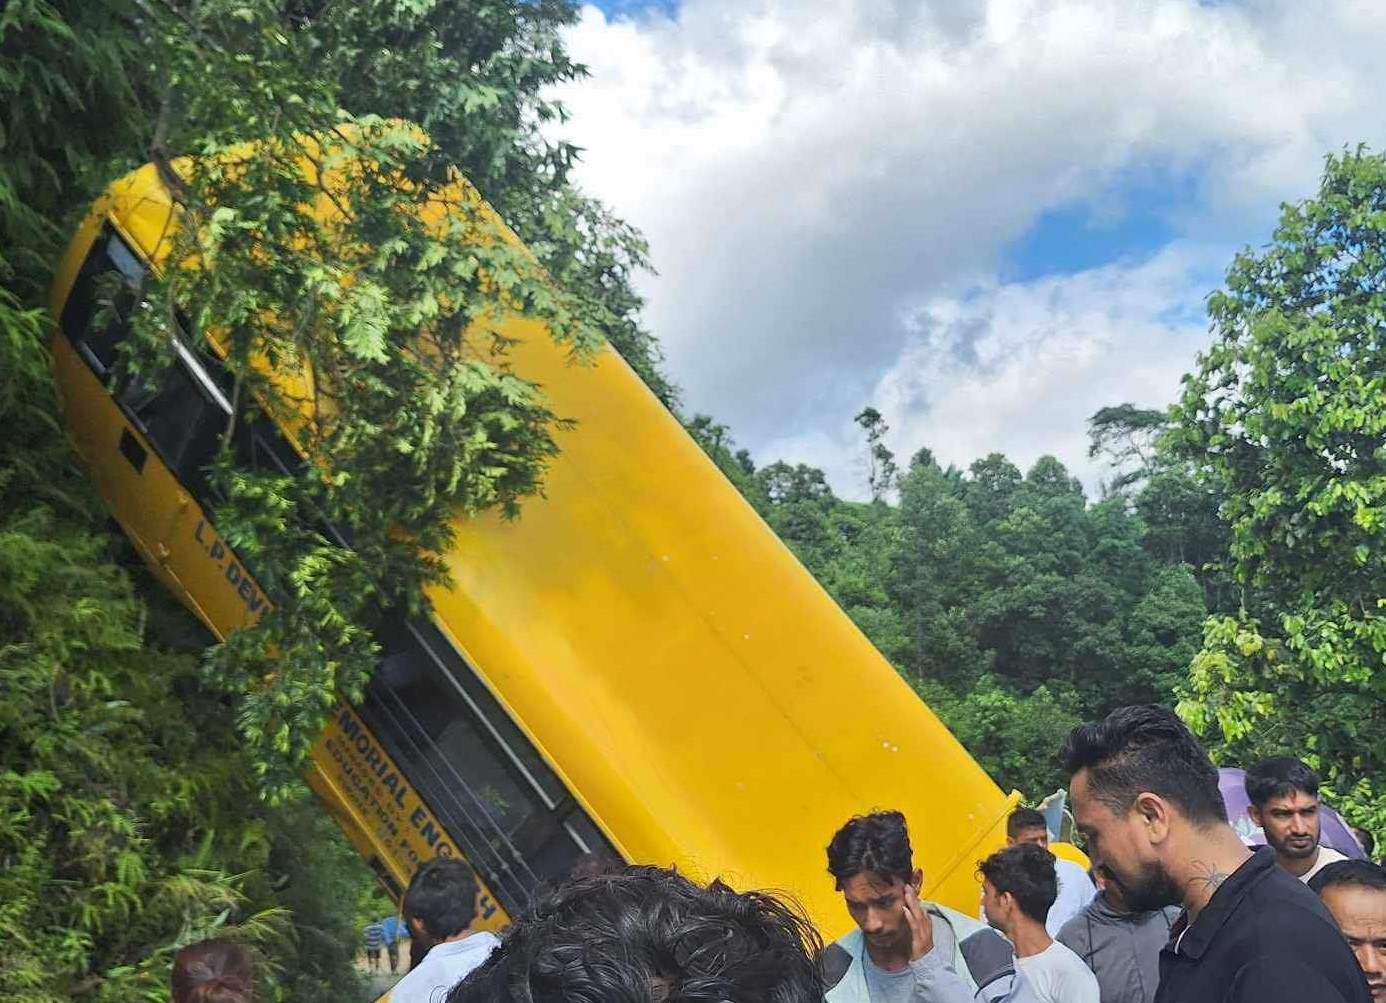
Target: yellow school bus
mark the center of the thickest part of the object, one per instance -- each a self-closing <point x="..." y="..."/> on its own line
<point x="636" y="667"/>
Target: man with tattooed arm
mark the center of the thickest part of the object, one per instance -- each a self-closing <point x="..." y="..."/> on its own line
<point x="1145" y="796"/>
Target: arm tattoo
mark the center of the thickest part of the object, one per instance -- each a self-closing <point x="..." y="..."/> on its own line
<point x="1208" y="876"/>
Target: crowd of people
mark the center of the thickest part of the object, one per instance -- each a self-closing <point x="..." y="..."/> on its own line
<point x="1175" y="909"/>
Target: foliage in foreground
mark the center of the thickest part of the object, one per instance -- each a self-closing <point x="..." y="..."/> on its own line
<point x="415" y="416"/>
<point x="1283" y="418"/>
<point x="128" y="818"/>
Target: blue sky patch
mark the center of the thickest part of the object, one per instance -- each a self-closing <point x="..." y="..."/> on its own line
<point x="1129" y="222"/>
<point x="633" y="8"/>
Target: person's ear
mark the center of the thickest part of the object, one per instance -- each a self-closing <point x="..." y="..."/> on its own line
<point x="917" y="880"/>
<point x="1155" y="813"/>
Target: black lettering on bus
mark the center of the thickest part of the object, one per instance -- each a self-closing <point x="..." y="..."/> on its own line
<point x="349" y="725"/>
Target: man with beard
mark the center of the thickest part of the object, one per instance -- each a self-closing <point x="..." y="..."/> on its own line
<point x="1355" y="893"/>
<point x="905" y="950"/>
<point x="1145" y="796"/>
<point x="1120" y="946"/>
<point x="1284" y="796"/>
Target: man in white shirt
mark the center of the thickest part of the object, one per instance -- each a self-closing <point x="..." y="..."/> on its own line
<point x="1284" y="796"/>
<point x="440" y="907"/>
<point x="1018" y="888"/>
<point x="1076" y="889"/>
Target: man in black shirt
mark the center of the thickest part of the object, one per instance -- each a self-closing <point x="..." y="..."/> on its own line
<point x="1145" y="795"/>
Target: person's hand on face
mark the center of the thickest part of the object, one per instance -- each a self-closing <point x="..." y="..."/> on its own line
<point x="921" y="929"/>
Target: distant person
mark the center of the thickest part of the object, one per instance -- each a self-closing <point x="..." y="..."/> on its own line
<point x="903" y="949"/>
<point x="440" y="907"/>
<point x="1026" y="825"/>
<point x="1355" y="893"/>
<point x="1018" y="890"/>
<point x="1365" y="840"/>
<point x="374" y="937"/>
<point x="395" y="931"/>
<point x="650" y="934"/>
<point x="1121" y="947"/>
<point x="1146" y="798"/>
<point x="213" y="971"/>
<point x="1284" y="796"/>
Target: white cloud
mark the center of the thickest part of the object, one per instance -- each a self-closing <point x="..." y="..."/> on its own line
<point x="809" y="172"/>
<point x="1017" y="368"/>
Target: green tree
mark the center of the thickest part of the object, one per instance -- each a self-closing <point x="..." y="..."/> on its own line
<point x="1011" y="733"/>
<point x="882" y="473"/>
<point x="128" y="798"/>
<point x="123" y="824"/>
<point x="1180" y="512"/>
<point x="1283" y="419"/>
<point x="995" y="593"/>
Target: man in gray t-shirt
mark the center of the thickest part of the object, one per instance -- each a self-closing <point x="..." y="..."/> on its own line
<point x="904" y="950"/>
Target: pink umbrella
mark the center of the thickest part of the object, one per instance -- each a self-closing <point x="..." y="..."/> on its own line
<point x="1333" y="830"/>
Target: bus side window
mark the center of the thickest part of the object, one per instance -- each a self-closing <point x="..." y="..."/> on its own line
<point x="181" y="420"/>
<point x="511" y="815"/>
<point x="103" y="299"/>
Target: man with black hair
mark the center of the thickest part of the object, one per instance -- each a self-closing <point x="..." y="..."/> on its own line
<point x="647" y="935"/>
<point x="1284" y="796"/>
<point x="440" y="907"/>
<point x="1026" y="825"/>
<point x="1365" y="840"/>
<point x="1121" y="947"/>
<point x="1145" y="796"/>
<point x="1018" y="889"/>
<point x="903" y="950"/>
<point x="1355" y="893"/>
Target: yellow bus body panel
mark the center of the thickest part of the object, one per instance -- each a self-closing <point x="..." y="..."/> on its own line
<point x="695" y="686"/>
<point x="705" y="700"/>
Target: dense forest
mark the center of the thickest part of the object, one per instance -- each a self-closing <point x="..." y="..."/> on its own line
<point x="1015" y="605"/>
<point x="1232" y="565"/>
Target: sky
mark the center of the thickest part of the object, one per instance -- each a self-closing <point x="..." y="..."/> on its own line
<point x="985" y="218"/>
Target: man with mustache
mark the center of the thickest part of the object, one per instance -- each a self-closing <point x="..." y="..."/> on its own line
<point x="1145" y="796"/>
<point x="1284" y="796"/>
<point x="1121" y="947"/>
<point x="1355" y="893"/>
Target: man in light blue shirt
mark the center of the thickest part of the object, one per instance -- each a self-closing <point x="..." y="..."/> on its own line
<point x="395" y="931"/>
<point x="1076" y="889"/>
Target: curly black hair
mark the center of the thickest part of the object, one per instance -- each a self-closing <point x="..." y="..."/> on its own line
<point x="650" y="935"/>
<point x="878" y="843"/>
<point x="1146" y="748"/>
